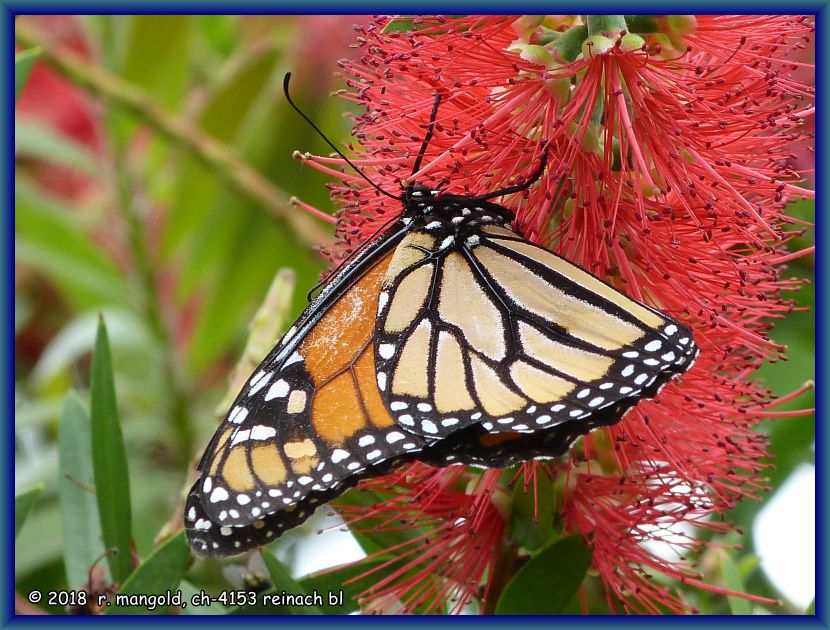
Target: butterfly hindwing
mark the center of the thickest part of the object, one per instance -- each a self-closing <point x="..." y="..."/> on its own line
<point x="478" y="326"/>
<point x="306" y="425"/>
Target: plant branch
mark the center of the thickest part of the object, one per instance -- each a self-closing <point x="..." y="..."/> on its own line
<point x="148" y="287"/>
<point x="216" y="155"/>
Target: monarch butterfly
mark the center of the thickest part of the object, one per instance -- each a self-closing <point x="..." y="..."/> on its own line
<point x="449" y="339"/>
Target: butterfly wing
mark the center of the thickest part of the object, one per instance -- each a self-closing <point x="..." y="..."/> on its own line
<point x="480" y="349"/>
<point x="306" y="425"/>
<point x="478" y="326"/>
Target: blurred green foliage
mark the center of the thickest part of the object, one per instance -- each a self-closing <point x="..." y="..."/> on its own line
<point x="121" y="222"/>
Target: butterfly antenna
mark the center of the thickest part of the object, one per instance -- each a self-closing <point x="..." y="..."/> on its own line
<point x="428" y="137"/>
<point x="519" y="187"/>
<point x="323" y="136"/>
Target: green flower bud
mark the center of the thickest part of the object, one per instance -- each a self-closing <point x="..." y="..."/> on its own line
<point x="597" y="45"/>
<point x="631" y="43"/>
<point x="682" y="24"/>
<point x="559" y="90"/>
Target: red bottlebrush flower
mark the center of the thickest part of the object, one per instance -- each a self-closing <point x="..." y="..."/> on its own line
<point x="668" y="176"/>
<point x="456" y="520"/>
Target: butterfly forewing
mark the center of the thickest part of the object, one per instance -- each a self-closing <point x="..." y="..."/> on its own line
<point x="478" y="326"/>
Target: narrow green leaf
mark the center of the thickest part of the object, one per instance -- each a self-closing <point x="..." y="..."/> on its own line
<point x="79" y="509"/>
<point x="545" y="585"/>
<point x="34" y="140"/>
<point x="284" y="582"/>
<point x="53" y="237"/>
<point x="23" y="504"/>
<point x="811" y="608"/>
<point x="79" y="283"/>
<point x="23" y="62"/>
<point x="158" y="575"/>
<point x="40" y="542"/>
<point x="733" y="581"/>
<point x="109" y="461"/>
<point x="747" y="566"/>
<point x="266" y="327"/>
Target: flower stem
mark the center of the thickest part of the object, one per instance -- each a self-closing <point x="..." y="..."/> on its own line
<point x="216" y="155"/>
<point x="507" y="563"/>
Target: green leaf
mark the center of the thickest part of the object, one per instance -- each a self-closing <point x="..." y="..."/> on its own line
<point x="81" y="285"/>
<point x="23" y="504"/>
<point x="569" y="44"/>
<point x="734" y="582"/>
<point x="284" y="582"/>
<point x="404" y="24"/>
<point x="545" y="585"/>
<point x="23" y="62"/>
<point x="156" y="55"/>
<point x="243" y="279"/>
<point x="159" y="573"/>
<point x="79" y="510"/>
<point x="267" y="326"/>
<point x="40" y="542"/>
<point x="109" y="461"/>
<point x="811" y="608"/>
<point x="52" y="237"/>
<point x="35" y="140"/>
<point x="399" y="25"/>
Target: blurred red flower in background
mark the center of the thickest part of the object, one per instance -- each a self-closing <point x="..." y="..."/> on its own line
<point x="56" y="103"/>
<point x="669" y="174"/>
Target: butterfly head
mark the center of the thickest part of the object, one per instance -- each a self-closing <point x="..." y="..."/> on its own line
<point x="417" y="197"/>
